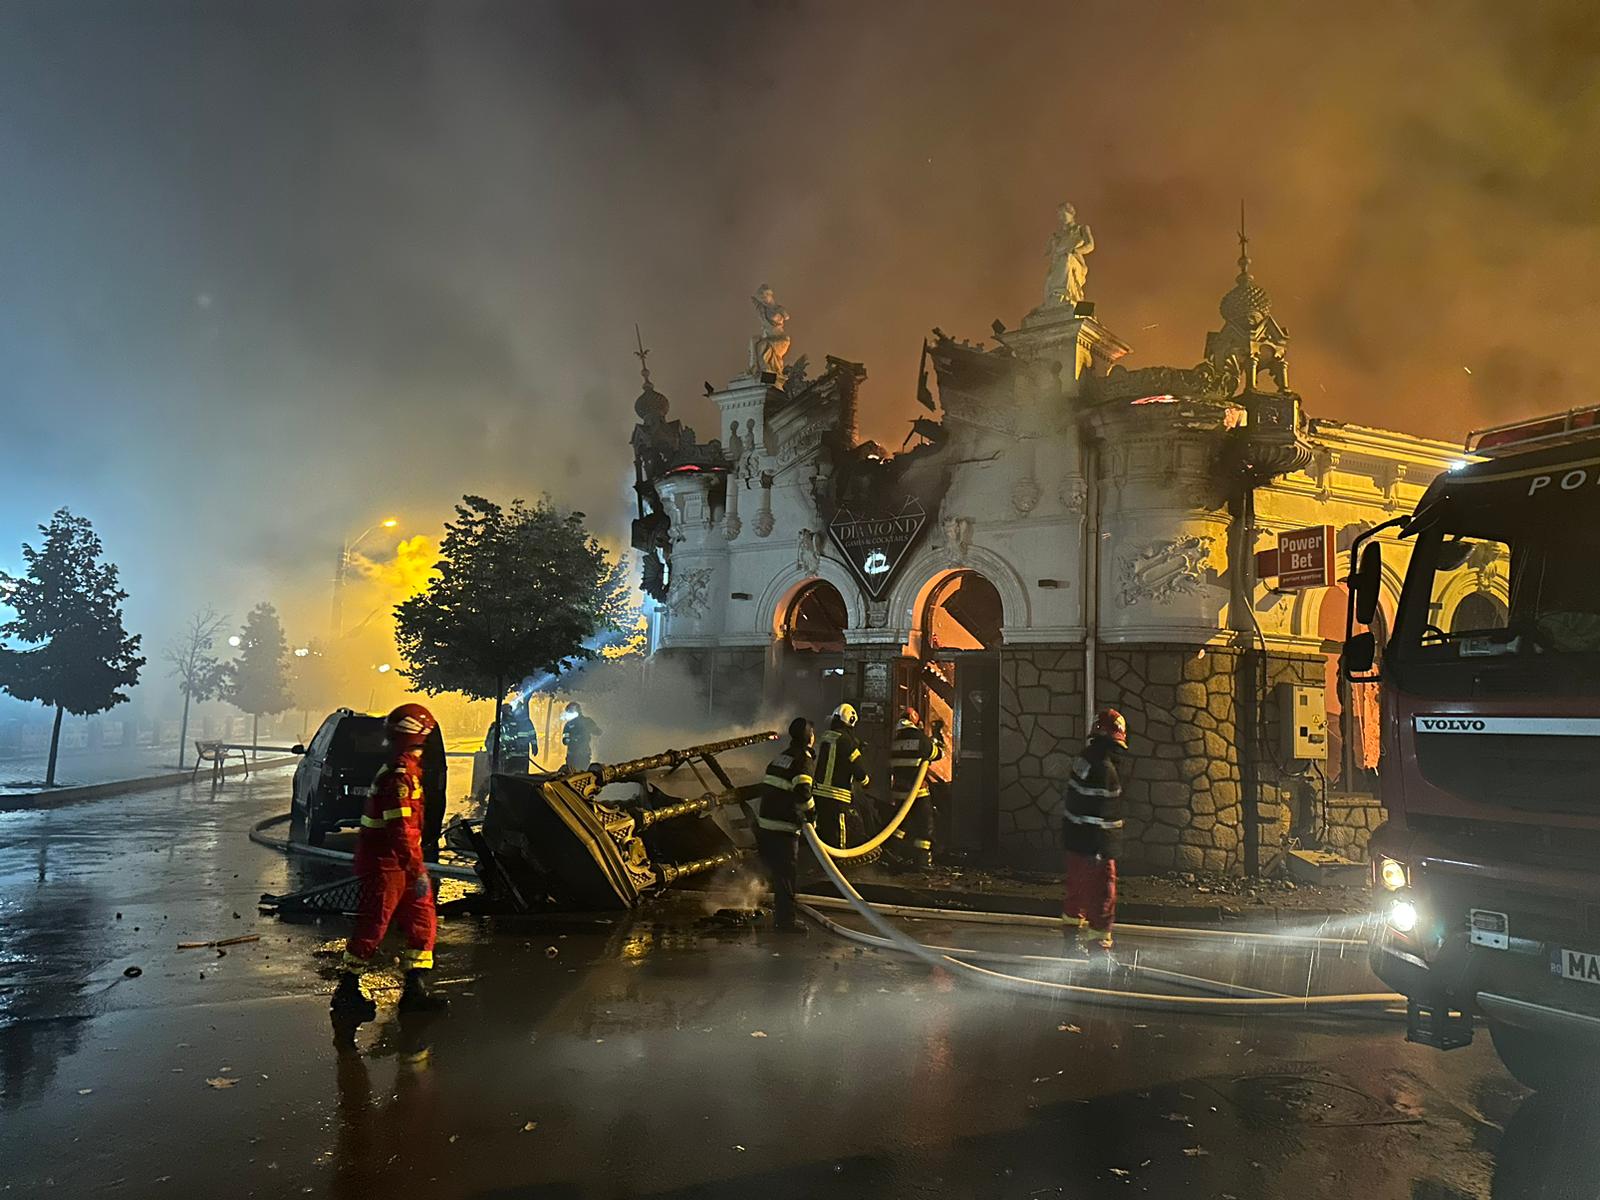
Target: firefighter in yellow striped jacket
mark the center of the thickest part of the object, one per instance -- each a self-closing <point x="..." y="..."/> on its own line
<point x="840" y="768"/>
<point x="908" y="750"/>
<point x="784" y="805"/>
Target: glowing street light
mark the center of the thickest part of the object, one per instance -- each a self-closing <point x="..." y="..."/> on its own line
<point x="346" y="548"/>
<point x="384" y="668"/>
<point x="302" y="651"/>
<point x="235" y="641"/>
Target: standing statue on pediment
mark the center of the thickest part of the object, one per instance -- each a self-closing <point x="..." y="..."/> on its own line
<point x="769" y="346"/>
<point x="1068" y="269"/>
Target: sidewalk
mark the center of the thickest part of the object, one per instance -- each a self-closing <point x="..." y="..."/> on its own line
<point x="1168" y="898"/>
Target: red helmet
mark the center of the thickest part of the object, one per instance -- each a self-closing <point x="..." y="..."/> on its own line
<point x="1110" y="724"/>
<point x="409" y="725"/>
<point x="910" y="717"/>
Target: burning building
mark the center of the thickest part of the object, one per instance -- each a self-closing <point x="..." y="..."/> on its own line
<point x="1066" y="533"/>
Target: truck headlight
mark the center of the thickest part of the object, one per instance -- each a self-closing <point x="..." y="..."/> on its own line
<point x="1392" y="874"/>
<point x="1403" y="915"/>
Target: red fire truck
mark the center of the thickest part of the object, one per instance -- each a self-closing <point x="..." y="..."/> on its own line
<point x="1487" y="873"/>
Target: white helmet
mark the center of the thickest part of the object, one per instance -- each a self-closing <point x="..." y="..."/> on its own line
<point x="846" y="715"/>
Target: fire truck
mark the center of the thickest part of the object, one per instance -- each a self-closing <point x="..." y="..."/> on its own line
<point x="1487" y="872"/>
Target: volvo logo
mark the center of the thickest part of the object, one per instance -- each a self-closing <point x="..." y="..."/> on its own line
<point x="1451" y="725"/>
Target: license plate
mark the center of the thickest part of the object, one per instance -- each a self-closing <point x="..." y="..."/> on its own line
<point x="1575" y="964"/>
<point x="1489" y="929"/>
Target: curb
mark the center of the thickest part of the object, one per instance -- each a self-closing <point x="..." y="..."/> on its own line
<point x="58" y="797"/>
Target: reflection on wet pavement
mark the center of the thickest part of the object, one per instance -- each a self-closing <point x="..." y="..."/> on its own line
<point x="654" y="1057"/>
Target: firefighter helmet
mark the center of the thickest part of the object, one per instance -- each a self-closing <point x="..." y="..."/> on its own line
<point x="801" y="733"/>
<point x="1110" y="724"/>
<point x="409" y="725"/>
<point x="910" y="717"/>
<point x="846" y="715"/>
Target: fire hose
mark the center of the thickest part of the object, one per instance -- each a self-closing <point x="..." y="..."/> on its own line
<point x="1231" y="1000"/>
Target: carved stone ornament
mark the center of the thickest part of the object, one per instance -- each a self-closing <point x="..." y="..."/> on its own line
<point x="1074" y="495"/>
<point x="1025" y="496"/>
<point x="877" y="614"/>
<point x="957" y="539"/>
<point x="689" y="593"/>
<point x="1163" y="571"/>
<point x="808" y="553"/>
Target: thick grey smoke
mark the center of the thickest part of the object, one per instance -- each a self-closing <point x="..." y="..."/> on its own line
<point x="274" y="270"/>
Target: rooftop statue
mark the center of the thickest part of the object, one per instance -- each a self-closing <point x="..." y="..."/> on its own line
<point x="769" y="346"/>
<point x="1066" y="257"/>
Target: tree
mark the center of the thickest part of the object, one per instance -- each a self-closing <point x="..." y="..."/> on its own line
<point x="199" y="672"/>
<point x="69" y="610"/>
<point x="257" y="681"/>
<point x="517" y="591"/>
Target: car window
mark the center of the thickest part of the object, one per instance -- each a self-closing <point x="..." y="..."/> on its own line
<point x="361" y="736"/>
<point x="323" y="739"/>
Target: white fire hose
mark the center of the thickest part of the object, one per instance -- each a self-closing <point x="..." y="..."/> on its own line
<point x="1230" y="998"/>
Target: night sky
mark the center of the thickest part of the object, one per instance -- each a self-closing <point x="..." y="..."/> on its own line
<point x="271" y="271"/>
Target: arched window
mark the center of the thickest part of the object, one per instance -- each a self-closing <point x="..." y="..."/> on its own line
<point x="1478" y="611"/>
<point x="963" y="613"/>
<point x="816" y="619"/>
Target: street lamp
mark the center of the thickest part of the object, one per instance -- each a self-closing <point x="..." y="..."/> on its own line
<point x="372" y="696"/>
<point x="235" y="641"/>
<point x="346" y="548"/>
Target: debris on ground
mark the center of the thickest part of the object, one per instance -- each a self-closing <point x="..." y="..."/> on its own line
<point x="758" y="1033"/>
<point x="132" y="972"/>
<point x="527" y="1128"/>
<point x="221" y="1081"/>
<point x="215" y="942"/>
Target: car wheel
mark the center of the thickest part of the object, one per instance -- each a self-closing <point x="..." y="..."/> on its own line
<point x="1539" y="1061"/>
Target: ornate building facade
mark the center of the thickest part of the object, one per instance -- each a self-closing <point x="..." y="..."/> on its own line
<point x="1067" y="534"/>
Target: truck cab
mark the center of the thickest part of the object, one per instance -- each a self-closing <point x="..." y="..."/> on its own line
<point x="1487" y="872"/>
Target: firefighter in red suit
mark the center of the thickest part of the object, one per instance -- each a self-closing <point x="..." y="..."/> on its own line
<point x="1091" y="833"/>
<point x="395" y="888"/>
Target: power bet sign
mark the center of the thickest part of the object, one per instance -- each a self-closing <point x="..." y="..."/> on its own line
<point x="875" y="546"/>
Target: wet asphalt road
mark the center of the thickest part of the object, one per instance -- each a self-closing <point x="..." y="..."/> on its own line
<point x="648" y="1058"/>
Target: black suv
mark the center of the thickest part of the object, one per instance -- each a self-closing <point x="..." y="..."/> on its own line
<point x="333" y="779"/>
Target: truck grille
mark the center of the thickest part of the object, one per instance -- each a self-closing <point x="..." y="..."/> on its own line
<point x="1544" y="774"/>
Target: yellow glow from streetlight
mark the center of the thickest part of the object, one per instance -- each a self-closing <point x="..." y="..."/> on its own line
<point x="390" y="523"/>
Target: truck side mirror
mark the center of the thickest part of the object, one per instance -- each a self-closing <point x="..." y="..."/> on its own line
<point x="1360" y="652"/>
<point x="1368" y="577"/>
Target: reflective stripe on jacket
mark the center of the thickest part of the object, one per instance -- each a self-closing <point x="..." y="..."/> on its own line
<point x="1093" y="809"/>
<point x="839" y="764"/>
<point x="785" y="798"/>
<point x="908" y="750"/>
<point x="392" y="816"/>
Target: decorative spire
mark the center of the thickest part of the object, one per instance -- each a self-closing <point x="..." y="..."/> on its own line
<point x="642" y="355"/>
<point x="1244" y="243"/>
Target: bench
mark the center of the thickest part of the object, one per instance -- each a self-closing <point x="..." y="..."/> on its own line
<point x="216" y="753"/>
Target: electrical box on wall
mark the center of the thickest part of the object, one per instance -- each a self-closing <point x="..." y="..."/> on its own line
<point x="1304" y="713"/>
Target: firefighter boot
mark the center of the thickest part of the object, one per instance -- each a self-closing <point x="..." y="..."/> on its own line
<point x="415" y="997"/>
<point x="349" y="1003"/>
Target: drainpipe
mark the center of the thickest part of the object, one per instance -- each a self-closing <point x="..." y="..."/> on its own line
<point x="1247" y="671"/>
<point x="1089" y="533"/>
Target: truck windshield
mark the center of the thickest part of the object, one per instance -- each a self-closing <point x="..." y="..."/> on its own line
<point x="1503" y="585"/>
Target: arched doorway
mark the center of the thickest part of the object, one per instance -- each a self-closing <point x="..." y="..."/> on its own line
<point x="810" y="640"/>
<point x="1478" y="612"/>
<point x="957" y="684"/>
<point x="1353" y="709"/>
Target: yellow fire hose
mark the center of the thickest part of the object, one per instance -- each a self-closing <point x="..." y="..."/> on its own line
<point x="1227" y="1003"/>
<point x="888" y="830"/>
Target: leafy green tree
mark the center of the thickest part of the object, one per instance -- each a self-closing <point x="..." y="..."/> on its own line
<point x="257" y="681"/>
<point x="517" y="591"/>
<point x="69" y="612"/>
<point x="196" y="667"/>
